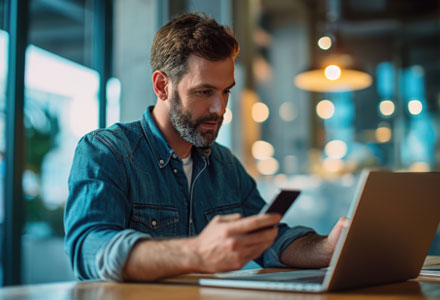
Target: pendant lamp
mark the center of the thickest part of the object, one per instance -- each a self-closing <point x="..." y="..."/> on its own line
<point x="334" y="75"/>
<point x="337" y="71"/>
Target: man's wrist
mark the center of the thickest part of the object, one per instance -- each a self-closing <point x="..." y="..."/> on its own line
<point x="309" y="251"/>
<point x="150" y="260"/>
<point x="193" y="260"/>
<point x="326" y="249"/>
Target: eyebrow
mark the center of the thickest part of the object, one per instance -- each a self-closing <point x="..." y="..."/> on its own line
<point x="210" y="86"/>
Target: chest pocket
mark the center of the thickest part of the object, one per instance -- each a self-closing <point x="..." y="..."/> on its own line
<point x="223" y="210"/>
<point x="157" y="220"/>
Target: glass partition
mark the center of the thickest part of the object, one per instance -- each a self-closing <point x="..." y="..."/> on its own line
<point x="3" y="74"/>
<point x="61" y="105"/>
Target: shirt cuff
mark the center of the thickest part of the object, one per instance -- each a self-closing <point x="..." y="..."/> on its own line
<point x="111" y="258"/>
<point x="271" y="257"/>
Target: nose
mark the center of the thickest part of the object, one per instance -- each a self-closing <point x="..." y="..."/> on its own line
<point x="217" y="105"/>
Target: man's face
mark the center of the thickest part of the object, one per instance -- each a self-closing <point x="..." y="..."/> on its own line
<point x="198" y="103"/>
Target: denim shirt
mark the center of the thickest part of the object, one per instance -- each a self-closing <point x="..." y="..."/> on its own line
<point x="126" y="184"/>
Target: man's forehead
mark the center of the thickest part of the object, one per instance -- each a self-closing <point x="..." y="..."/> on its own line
<point x="210" y="74"/>
<point x="195" y="61"/>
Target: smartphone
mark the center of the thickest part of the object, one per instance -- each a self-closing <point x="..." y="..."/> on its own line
<point x="281" y="203"/>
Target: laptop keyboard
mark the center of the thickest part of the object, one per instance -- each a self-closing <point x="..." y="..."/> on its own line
<point x="314" y="279"/>
<point x="303" y="276"/>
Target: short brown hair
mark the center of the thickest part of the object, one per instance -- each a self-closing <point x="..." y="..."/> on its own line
<point x="191" y="33"/>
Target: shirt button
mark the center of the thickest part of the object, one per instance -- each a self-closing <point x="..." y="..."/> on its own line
<point x="175" y="171"/>
<point x="154" y="223"/>
<point x="161" y="162"/>
<point x="190" y="221"/>
<point x="174" y="155"/>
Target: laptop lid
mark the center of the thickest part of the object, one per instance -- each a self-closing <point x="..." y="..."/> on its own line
<point x="394" y="217"/>
<point x="393" y="222"/>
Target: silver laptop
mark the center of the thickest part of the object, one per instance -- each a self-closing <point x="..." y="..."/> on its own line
<point x="394" y="218"/>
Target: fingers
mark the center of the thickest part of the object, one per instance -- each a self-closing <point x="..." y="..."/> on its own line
<point x="334" y="235"/>
<point x="253" y="223"/>
<point x="230" y="241"/>
<point x="256" y="250"/>
<point x="264" y="236"/>
<point x="256" y="231"/>
<point x="228" y="218"/>
<point x="243" y="254"/>
<point x="344" y="222"/>
<point x="250" y="246"/>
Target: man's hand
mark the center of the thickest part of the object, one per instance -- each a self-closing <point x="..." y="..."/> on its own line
<point x="333" y="237"/>
<point x="313" y="250"/>
<point x="229" y="242"/>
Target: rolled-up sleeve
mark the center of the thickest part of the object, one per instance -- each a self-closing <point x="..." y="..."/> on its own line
<point x="111" y="258"/>
<point x="97" y="212"/>
<point x="286" y="235"/>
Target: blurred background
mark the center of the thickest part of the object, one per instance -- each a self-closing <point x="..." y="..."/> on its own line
<point x="324" y="90"/>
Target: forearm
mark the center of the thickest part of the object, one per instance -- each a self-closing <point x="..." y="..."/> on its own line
<point x="314" y="250"/>
<point x="151" y="260"/>
<point x="309" y="251"/>
<point x="227" y="243"/>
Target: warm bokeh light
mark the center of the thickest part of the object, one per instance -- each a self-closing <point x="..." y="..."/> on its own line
<point x="332" y="72"/>
<point x="386" y="107"/>
<point x="415" y="107"/>
<point x="227" y="117"/>
<point x="262" y="69"/>
<point x="383" y="134"/>
<point x="325" y="43"/>
<point x="260" y="112"/>
<point x="336" y="149"/>
<point x="262" y="150"/>
<point x="333" y="165"/>
<point x="325" y="109"/>
<point x="316" y="80"/>
<point x="420" y="167"/>
<point x="280" y="180"/>
<point x="288" y="112"/>
<point x="268" y="166"/>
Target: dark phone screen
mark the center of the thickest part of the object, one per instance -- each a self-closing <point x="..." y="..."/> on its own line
<point x="281" y="203"/>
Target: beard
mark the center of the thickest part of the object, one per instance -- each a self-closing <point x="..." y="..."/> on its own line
<point x="187" y="128"/>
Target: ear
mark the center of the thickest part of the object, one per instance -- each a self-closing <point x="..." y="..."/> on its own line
<point x="160" y="84"/>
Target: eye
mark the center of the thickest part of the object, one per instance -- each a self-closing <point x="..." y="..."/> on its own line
<point x="227" y="92"/>
<point x="204" y="92"/>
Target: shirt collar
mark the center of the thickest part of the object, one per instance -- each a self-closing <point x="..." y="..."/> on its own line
<point x="162" y="152"/>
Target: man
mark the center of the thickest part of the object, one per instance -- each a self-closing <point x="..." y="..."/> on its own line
<point x="158" y="197"/>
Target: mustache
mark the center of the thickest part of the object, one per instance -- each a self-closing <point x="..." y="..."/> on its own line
<point x="209" y="118"/>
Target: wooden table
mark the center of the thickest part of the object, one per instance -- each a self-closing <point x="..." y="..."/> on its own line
<point x="422" y="288"/>
<point x="131" y="291"/>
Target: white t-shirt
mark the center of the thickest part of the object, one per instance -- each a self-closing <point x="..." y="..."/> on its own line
<point x="188" y="168"/>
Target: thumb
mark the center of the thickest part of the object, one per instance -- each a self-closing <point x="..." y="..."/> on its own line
<point x="229" y="218"/>
<point x="334" y="235"/>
